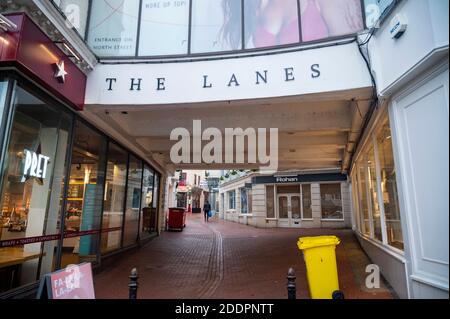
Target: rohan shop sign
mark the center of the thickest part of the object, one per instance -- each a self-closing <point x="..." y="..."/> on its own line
<point x="303" y="178"/>
<point x="328" y="69"/>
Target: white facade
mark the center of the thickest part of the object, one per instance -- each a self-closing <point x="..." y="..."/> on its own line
<point x="412" y="81"/>
<point x="257" y="216"/>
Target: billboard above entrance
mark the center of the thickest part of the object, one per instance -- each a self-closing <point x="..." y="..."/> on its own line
<point x="326" y="69"/>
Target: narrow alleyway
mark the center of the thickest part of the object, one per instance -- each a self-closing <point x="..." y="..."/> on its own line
<point x="227" y="260"/>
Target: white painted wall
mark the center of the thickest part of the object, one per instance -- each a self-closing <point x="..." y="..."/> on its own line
<point x="427" y="31"/>
<point x="410" y="73"/>
<point x="420" y="117"/>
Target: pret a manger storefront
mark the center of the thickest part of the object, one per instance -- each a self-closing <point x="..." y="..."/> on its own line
<point x="68" y="192"/>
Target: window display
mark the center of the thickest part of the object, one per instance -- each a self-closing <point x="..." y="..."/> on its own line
<point x="232" y="199"/>
<point x="389" y="186"/>
<point x="243" y="194"/>
<point x="372" y="182"/>
<point x="29" y="199"/>
<point x="306" y="201"/>
<point x="130" y="231"/>
<point x="84" y="197"/>
<point x="250" y="201"/>
<point x="370" y="211"/>
<point x="114" y="199"/>
<point x="148" y="213"/>
<point x="270" y="205"/>
<point x="363" y="190"/>
<point x="55" y="202"/>
<point x="331" y="201"/>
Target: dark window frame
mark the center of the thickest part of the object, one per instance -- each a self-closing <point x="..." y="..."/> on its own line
<point x="243" y="50"/>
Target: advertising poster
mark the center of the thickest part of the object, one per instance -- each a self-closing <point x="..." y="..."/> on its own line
<point x="216" y="26"/>
<point x="113" y="27"/>
<point x="164" y="27"/>
<point x="87" y="223"/>
<point x="323" y="18"/>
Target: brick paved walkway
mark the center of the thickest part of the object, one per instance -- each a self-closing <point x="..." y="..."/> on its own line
<point x="224" y="260"/>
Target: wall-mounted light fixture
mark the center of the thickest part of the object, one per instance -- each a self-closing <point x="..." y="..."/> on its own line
<point x="69" y="49"/>
<point x="7" y="25"/>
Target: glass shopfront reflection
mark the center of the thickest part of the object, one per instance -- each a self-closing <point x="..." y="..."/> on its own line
<point x="130" y="231"/>
<point x="148" y="213"/>
<point x="84" y="196"/>
<point x="3" y="90"/>
<point x="31" y="173"/>
<point x="113" y="206"/>
<point x="66" y="196"/>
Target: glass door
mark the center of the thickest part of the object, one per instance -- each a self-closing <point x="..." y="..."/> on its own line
<point x="289" y="210"/>
<point x="284" y="213"/>
<point x="296" y="214"/>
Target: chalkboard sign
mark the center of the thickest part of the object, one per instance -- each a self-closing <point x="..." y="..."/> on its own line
<point x="73" y="282"/>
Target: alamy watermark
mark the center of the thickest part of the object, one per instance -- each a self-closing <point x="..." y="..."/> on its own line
<point x="232" y="146"/>
<point x="373" y="279"/>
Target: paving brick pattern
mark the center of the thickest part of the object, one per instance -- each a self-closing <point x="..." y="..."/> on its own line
<point x="225" y="260"/>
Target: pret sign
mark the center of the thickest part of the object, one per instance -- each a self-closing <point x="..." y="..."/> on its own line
<point x="35" y="165"/>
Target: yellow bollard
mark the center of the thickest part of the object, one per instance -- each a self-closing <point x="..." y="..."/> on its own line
<point x="321" y="268"/>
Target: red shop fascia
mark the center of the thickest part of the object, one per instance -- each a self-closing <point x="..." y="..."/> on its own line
<point x="33" y="54"/>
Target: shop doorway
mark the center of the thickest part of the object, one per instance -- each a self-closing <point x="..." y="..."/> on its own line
<point x="289" y="210"/>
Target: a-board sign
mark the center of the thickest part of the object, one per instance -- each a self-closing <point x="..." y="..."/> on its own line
<point x="72" y="282"/>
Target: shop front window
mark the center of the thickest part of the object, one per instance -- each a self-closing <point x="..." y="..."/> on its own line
<point x="130" y="231"/>
<point x="244" y="206"/>
<point x="306" y="201"/>
<point x="114" y="199"/>
<point x="232" y="200"/>
<point x="148" y="218"/>
<point x="31" y="173"/>
<point x="250" y="200"/>
<point x="372" y="182"/>
<point x="389" y="186"/>
<point x="270" y="202"/>
<point x="3" y="90"/>
<point x="378" y="155"/>
<point x="331" y="201"/>
<point x="364" y="207"/>
<point x="84" y="196"/>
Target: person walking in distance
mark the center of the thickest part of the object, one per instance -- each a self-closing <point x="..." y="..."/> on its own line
<point x="206" y="210"/>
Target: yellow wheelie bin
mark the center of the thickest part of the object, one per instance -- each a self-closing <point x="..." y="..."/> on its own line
<point x="321" y="268"/>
